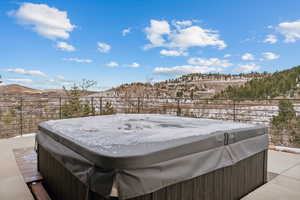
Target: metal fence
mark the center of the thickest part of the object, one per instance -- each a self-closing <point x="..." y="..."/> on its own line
<point x="20" y="115"/>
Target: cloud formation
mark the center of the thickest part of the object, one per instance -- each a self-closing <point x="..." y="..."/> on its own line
<point x="134" y="65"/>
<point x="183" y="69"/>
<point x="271" y="39"/>
<point x="78" y="60"/>
<point x="195" y="65"/>
<point x="290" y="30"/>
<point x="249" y="67"/>
<point x="103" y="47"/>
<point x="155" y="33"/>
<point x="183" y="23"/>
<point x="20" y="80"/>
<point x="247" y="56"/>
<point x="183" y="36"/>
<point x="59" y="76"/>
<point x="209" y="62"/>
<point x="126" y="31"/>
<point x="270" y="56"/>
<point x="47" y="21"/>
<point x="65" y="46"/>
<point x="112" y="64"/>
<point x="27" y="72"/>
<point x="165" y="52"/>
<point x="196" y="36"/>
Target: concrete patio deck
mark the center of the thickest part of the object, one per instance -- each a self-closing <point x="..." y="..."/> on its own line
<point x="284" y="168"/>
<point x="12" y="185"/>
<point x="286" y="185"/>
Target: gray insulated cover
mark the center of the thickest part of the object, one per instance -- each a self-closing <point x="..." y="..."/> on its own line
<point x="150" y="151"/>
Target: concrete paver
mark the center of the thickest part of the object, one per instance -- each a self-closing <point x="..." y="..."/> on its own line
<point x="12" y="185"/>
<point x="278" y="161"/>
<point x="293" y="172"/>
<point x="284" y="186"/>
<point x="280" y="188"/>
<point x="274" y="192"/>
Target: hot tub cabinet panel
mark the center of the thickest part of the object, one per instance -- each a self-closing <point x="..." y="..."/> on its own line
<point x="227" y="183"/>
<point x="149" y="160"/>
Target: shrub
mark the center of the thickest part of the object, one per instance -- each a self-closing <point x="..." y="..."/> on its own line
<point x="10" y="116"/>
<point x="108" y="109"/>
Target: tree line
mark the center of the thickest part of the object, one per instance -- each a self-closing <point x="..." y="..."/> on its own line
<point x="284" y="83"/>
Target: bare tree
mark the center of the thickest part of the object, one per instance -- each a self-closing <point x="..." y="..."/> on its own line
<point x="75" y="106"/>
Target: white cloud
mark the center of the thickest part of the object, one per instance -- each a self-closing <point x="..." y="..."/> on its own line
<point x="182" y="37"/>
<point x="112" y="64"/>
<point x="126" y="31"/>
<point x="173" y="53"/>
<point x="248" y="56"/>
<point x="66" y="83"/>
<point x="196" y="36"/>
<point x="49" y="83"/>
<point x="78" y="60"/>
<point x="46" y="21"/>
<point x="27" y="72"/>
<point x="227" y="55"/>
<point x="183" y="23"/>
<point x="271" y="39"/>
<point x="134" y="64"/>
<point x="65" y="46"/>
<point x="56" y="82"/>
<point x="20" y="80"/>
<point x="103" y="47"/>
<point x="270" y="56"/>
<point x="156" y="31"/>
<point x="249" y="67"/>
<point x="291" y="30"/>
<point x="61" y="77"/>
<point x="184" y="69"/>
<point x="209" y="62"/>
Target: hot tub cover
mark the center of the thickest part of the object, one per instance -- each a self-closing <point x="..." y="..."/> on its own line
<point x="141" y="153"/>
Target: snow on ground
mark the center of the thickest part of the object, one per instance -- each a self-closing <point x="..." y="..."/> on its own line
<point x="290" y="149"/>
<point x="253" y="114"/>
<point x="25" y="135"/>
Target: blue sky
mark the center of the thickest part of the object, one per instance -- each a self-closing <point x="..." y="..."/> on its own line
<point x="47" y="44"/>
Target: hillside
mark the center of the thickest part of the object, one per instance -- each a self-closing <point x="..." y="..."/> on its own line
<point x="253" y="85"/>
<point x="280" y="84"/>
<point x="191" y="85"/>
<point x="17" y="89"/>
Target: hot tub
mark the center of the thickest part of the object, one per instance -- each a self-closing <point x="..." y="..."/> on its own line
<point x="146" y="156"/>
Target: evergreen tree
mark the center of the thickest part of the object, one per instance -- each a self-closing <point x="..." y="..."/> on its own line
<point x="282" y="83"/>
<point x="285" y="115"/>
<point x="74" y="106"/>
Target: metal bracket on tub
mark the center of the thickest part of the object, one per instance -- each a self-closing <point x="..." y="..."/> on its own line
<point x="226" y="138"/>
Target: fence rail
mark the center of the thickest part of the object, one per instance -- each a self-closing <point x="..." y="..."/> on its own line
<point x="22" y="115"/>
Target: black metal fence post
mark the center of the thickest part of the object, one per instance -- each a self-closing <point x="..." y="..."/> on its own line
<point x="60" y="110"/>
<point x="178" y="107"/>
<point x="138" y="104"/>
<point x="234" y="110"/>
<point x="93" y="108"/>
<point x="21" y="116"/>
<point x="100" y="109"/>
